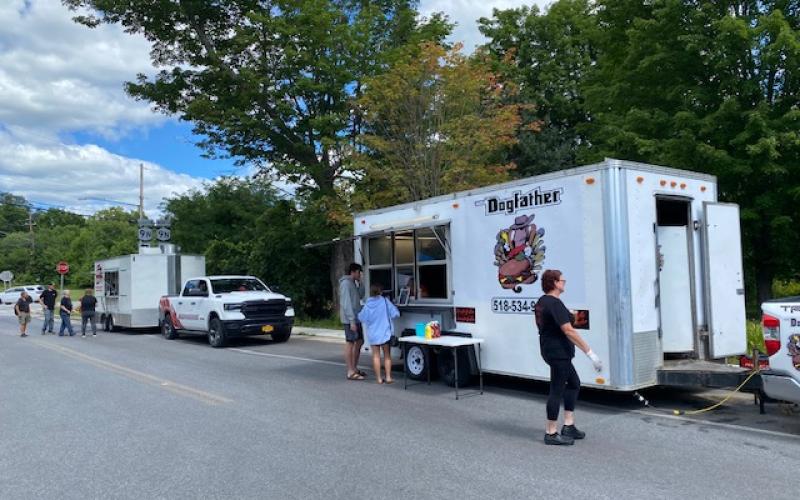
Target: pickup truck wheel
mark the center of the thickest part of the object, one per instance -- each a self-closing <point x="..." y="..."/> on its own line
<point x="216" y="333"/>
<point x="416" y="364"/>
<point x="167" y="330"/>
<point x="282" y="336"/>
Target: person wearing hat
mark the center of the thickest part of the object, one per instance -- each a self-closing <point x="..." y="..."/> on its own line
<point x="48" y="301"/>
<point x="521" y="230"/>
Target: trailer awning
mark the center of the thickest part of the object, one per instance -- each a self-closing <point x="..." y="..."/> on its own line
<point x="389" y="228"/>
<point x="343" y="239"/>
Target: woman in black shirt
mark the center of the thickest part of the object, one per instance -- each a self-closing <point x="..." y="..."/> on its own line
<point x="557" y="341"/>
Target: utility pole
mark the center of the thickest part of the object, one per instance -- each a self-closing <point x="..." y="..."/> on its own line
<point x="30" y="229"/>
<point x="141" y="190"/>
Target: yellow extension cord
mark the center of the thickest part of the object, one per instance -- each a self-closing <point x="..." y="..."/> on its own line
<point x="717" y="405"/>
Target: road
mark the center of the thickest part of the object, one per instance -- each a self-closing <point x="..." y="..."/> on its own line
<point x="128" y="415"/>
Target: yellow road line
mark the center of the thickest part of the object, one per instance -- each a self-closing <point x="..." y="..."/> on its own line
<point x="144" y="378"/>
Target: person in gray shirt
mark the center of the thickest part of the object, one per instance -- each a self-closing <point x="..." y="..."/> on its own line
<point x="351" y="291"/>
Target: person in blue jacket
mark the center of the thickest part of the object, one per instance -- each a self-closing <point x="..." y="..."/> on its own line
<point x="377" y="316"/>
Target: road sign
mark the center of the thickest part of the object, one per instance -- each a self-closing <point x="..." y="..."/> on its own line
<point x="145" y="234"/>
<point x="163" y="234"/>
<point x="62" y="268"/>
<point x="6" y="276"/>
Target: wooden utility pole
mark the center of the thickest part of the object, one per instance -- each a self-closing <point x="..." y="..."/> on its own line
<point x="30" y="229"/>
<point x="141" y="190"/>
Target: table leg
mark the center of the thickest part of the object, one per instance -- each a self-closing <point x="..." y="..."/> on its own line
<point x="428" y="362"/>
<point x="480" y="368"/>
<point x="405" y="368"/>
<point x="455" y="373"/>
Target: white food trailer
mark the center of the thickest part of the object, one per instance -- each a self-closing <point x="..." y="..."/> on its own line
<point x="129" y="287"/>
<point x="653" y="264"/>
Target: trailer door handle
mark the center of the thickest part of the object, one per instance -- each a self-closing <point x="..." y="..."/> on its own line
<point x="180" y="303"/>
<point x="192" y="303"/>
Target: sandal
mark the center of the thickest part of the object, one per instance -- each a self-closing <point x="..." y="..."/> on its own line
<point x="361" y="372"/>
<point x="389" y="381"/>
<point x="355" y="376"/>
<point x="380" y="382"/>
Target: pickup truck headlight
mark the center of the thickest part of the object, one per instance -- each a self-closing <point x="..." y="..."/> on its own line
<point x="289" y="308"/>
<point x="232" y="307"/>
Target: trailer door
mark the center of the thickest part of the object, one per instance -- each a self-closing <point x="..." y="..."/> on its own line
<point x="724" y="279"/>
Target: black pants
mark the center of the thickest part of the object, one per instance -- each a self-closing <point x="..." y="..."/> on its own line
<point x="564" y="385"/>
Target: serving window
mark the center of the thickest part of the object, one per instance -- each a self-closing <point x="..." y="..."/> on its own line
<point x="415" y="259"/>
<point x="111" y="283"/>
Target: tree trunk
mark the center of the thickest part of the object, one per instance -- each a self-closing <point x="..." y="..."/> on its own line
<point x="341" y="258"/>
<point x="764" y="277"/>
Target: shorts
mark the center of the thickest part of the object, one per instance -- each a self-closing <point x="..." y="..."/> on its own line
<point x="351" y="336"/>
<point x="24" y="318"/>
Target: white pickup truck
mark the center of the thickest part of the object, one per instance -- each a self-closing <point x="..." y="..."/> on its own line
<point x="780" y="322"/>
<point x="224" y="307"/>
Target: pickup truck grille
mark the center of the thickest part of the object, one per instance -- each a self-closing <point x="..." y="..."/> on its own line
<point x="266" y="309"/>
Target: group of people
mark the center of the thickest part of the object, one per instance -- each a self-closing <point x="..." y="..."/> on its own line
<point x="87" y="307"/>
<point x="557" y="341"/>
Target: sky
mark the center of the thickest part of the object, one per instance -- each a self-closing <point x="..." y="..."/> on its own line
<point x="70" y="136"/>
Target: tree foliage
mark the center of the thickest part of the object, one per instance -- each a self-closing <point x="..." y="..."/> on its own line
<point x="548" y="54"/>
<point x="710" y="86"/>
<point x="436" y="122"/>
<point x="243" y="227"/>
<point x="268" y="82"/>
<point x="59" y="235"/>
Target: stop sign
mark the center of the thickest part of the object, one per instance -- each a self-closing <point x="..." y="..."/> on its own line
<point x="62" y="267"/>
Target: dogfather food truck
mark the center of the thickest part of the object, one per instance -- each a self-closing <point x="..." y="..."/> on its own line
<point x="652" y="260"/>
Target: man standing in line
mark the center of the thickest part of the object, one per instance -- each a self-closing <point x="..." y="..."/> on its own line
<point x="23" y="311"/>
<point x="87" y="307"/>
<point x="65" y="309"/>
<point x="351" y="291"/>
<point x="48" y="301"/>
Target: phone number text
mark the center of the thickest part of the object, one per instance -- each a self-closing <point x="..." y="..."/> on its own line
<point x="517" y="305"/>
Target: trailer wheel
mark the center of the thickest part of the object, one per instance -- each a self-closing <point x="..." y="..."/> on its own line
<point x="415" y="361"/>
<point x="216" y="333"/>
<point x="447" y="369"/>
<point x="167" y="330"/>
<point x="109" y="324"/>
<point x="282" y="336"/>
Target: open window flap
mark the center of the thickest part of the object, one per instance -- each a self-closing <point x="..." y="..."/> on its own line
<point x="344" y="239"/>
<point x="389" y="229"/>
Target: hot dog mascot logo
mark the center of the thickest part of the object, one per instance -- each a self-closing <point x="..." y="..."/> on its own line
<point x="519" y="253"/>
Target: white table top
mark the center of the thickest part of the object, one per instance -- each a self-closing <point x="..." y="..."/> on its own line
<point x="444" y="340"/>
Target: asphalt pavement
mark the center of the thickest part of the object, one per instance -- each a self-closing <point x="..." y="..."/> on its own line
<point x="132" y="415"/>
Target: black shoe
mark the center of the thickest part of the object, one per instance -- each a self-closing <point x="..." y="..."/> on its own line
<point x="558" y="439"/>
<point x="572" y="432"/>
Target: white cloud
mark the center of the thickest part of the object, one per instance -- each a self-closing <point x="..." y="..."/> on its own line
<point x="465" y="13"/>
<point x="61" y="175"/>
<point x="57" y="75"/>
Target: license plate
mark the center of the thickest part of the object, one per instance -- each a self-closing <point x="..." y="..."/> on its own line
<point x="267" y="328"/>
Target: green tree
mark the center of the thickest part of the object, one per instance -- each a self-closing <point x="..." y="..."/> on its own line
<point x="548" y="54"/>
<point x="54" y="218"/>
<point x="13" y="213"/>
<point x="714" y="87"/>
<point x="436" y="123"/>
<point x="268" y="83"/>
<point x="242" y="227"/>
<point x="224" y="211"/>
